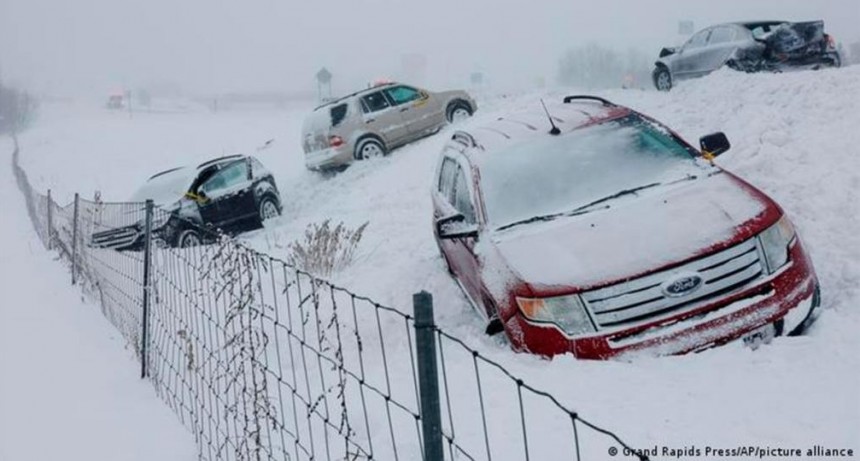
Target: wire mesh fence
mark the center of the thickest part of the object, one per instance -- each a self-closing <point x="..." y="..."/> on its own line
<point x="261" y="360"/>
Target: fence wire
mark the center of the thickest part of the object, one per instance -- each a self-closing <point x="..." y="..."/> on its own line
<point x="262" y="361"/>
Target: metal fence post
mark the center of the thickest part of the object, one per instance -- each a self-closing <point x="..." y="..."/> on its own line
<point x="75" y="241"/>
<point x="147" y="261"/>
<point x="50" y="242"/>
<point x="428" y="378"/>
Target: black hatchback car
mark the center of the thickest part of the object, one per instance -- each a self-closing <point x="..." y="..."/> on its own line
<point x="747" y="46"/>
<point x="232" y="194"/>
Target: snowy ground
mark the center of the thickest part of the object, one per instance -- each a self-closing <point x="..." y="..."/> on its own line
<point x="69" y="389"/>
<point x="794" y="135"/>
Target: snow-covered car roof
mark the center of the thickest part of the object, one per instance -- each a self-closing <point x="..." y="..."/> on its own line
<point x="533" y="122"/>
<point x="170" y="185"/>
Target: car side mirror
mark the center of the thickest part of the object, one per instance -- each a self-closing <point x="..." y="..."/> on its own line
<point x="668" y="51"/>
<point x="424" y="94"/>
<point x="455" y="227"/>
<point x="714" y="144"/>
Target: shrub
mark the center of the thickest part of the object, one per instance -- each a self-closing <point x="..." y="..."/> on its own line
<point x="325" y="249"/>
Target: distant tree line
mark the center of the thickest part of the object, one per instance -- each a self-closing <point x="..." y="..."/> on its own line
<point x="17" y="109"/>
<point x="593" y="66"/>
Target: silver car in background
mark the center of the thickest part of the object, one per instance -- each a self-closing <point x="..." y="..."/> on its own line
<point x="372" y="122"/>
<point x="754" y="46"/>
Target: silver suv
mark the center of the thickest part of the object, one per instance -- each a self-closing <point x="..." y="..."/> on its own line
<point x="371" y="122"/>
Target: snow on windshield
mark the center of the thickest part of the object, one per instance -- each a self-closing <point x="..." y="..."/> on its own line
<point x="558" y="174"/>
<point x="166" y="188"/>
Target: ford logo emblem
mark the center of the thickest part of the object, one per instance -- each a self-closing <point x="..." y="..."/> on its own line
<point x="681" y="285"/>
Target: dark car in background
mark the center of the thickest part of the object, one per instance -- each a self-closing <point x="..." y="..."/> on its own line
<point x="750" y="47"/>
<point x="232" y="194"/>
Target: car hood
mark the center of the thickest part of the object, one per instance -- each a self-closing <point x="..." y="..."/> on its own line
<point x="634" y="236"/>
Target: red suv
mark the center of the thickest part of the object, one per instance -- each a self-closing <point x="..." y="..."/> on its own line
<point x="593" y="229"/>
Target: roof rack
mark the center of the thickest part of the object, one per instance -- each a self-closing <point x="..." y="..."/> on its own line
<point x="164" y="173"/>
<point x="219" y="159"/>
<point x="568" y="99"/>
<point x="464" y="138"/>
<point x="340" y="99"/>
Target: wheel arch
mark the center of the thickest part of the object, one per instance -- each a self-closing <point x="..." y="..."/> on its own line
<point x="454" y="103"/>
<point x="660" y="66"/>
<point x="365" y="136"/>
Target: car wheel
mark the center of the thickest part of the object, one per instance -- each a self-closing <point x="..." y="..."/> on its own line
<point x="458" y="112"/>
<point x="188" y="238"/>
<point x="268" y="209"/>
<point x="662" y="79"/>
<point x="495" y="325"/>
<point x="369" y="148"/>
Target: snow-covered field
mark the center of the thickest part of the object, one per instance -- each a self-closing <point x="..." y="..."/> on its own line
<point x="69" y="388"/>
<point x="794" y="135"/>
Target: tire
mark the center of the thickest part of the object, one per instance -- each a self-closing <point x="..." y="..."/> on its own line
<point x="662" y="79"/>
<point x="188" y="238"/>
<point x="268" y="209"/>
<point x="733" y="65"/>
<point x="814" y="310"/>
<point x="495" y="325"/>
<point x="458" y="111"/>
<point x="369" y="148"/>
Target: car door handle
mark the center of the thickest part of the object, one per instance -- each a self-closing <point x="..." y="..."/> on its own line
<point x="404" y="109"/>
<point x="370" y="120"/>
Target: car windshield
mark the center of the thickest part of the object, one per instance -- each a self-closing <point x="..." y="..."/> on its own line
<point x="539" y="180"/>
<point x="167" y="187"/>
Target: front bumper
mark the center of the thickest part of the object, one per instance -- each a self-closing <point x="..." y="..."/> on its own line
<point x="331" y="157"/>
<point x="789" y="298"/>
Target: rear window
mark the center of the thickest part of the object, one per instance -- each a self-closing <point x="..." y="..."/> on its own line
<point x="338" y="113"/>
<point x="722" y="35"/>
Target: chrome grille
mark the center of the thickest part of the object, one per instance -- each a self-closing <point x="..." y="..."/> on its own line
<point x="643" y="299"/>
<point x="115" y="238"/>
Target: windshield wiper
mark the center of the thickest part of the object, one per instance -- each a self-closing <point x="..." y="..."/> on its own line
<point x="614" y="196"/>
<point x="582" y="209"/>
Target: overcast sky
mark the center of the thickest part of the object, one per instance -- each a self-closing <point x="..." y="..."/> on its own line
<point x="89" y="46"/>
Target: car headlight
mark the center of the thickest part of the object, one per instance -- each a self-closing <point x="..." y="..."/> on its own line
<point x="567" y="312"/>
<point x="774" y="242"/>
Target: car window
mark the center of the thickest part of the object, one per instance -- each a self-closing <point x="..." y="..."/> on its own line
<point x="699" y="39"/>
<point x="374" y="102"/>
<point x="257" y="168"/>
<point x="446" y="178"/>
<point x="338" y="114"/>
<point x="231" y="176"/>
<point x="462" y="197"/>
<point x="722" y="35"/>
<point x="402" y="94"/>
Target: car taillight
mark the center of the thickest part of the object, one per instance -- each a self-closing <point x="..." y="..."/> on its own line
<point x="831" y="43"/>
<point x="335" y="141"/>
